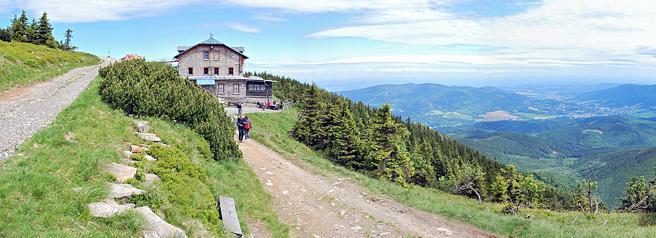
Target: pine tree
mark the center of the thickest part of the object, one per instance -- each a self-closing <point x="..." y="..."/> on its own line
<point x="388" y="151"/>
<point x="31" y="33"/>
<point x="19" y="27"/>
<point x="421" y="161"/>
<point x="343" y="133"/>
<point x="499" y="189"/>
<point x="43" y="35"/>
<point x="308" y="127"/>
<point x="638" y="196"/>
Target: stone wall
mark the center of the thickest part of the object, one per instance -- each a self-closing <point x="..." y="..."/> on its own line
<point x="220" y="57"/>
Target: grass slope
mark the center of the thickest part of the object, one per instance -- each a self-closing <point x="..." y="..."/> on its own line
<point x="23" y="63"/>
<point x="37" y="197"/>
<point x="272" y="129"/>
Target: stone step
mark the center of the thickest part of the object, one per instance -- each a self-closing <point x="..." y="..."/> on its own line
<point x="142" y="126"/>
<point x="119" y="191"/>
<point x="156" y="227"/>
<point x="121" y="172"/>
<point x="108" y="208"/>
<point x="151" y="178"/>
<point x="149" y="137"/>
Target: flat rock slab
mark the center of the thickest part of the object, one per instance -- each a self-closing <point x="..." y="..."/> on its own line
<point x="149" y="158"/>
<point x="123" y="191"/>
<point x="149" y="137"/>
<point x="156" y="227"/>
<point x="151" y="178"/>
<point x="137" y="149"/>
<point x="142" y="126"/>
<point x="229" y="215"/>
<point x="108" y="208"/>
<point x="121" y="172"/>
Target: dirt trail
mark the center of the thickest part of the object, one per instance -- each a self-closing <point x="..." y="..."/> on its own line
<point x="25" y="110"/>
<point x="329" y="206"/>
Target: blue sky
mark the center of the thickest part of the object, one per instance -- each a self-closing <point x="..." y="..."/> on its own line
<point x="345" y="44"/>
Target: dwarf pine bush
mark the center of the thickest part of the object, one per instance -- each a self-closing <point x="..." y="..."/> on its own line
<point x="152" y="89"/>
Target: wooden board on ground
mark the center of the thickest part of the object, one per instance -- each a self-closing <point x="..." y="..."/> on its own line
<point x="229" y="215"/>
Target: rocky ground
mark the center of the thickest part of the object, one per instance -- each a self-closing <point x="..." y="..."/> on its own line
<point x="317" y="204"/>
<point x="25" y="110"/>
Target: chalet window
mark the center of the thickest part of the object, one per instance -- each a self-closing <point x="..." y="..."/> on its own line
<point x="206" y="55"/>
<point x="206" y="71"/>
<point x="231" y="71"/>
<point x="221" y="88"/>
<point x="216" y="71"/>
<point x="235" y="88"/>
<point x="190" y="70"/>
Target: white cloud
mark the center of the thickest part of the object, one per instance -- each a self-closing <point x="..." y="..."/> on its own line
<point x="332" y="6"/>
<point x="269" y="18"/>
<point x="243" y="28"/>
<point x="96" y="10"/>
<point x="608" y="26"/>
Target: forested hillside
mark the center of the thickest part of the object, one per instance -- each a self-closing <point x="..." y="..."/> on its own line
<point x="441" y="106"/>
<point x="374" y="142"/>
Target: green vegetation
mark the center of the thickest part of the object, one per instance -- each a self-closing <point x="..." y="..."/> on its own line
<point x="45" y="188"/>
<point x="609" y="149"/>
<point x="272" y="129"/>
<point x="153" y="89"/>
<point x="389" y="148"/>
<point x="23" y="63"/>
<point x="37" y="32"/>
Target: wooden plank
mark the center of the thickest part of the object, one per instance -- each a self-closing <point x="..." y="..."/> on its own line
<point x="229" y="215"/>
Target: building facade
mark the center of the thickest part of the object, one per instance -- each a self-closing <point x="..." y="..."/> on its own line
<point x="219" y="69"/>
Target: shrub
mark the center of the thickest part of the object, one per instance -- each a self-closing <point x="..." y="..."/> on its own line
<point x="5" y="35"/>
<point x="151" y="89"/>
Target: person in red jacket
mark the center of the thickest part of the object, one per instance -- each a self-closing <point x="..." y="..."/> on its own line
<point x="247" y="128"/>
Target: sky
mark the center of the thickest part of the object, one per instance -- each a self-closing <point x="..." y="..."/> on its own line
<point x="346" y="44"/>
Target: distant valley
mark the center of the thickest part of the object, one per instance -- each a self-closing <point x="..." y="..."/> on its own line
<point x="607" y="134"/>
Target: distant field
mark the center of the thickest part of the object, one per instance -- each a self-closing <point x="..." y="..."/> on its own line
<point x="272" y="129"/>
<point x="23" y="63"/>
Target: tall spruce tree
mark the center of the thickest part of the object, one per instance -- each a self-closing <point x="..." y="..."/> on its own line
<point x="308" y="129"/>
<point x="31" y="33"/>
<point x="344" y="138"/>
<point x="19" y="28"/>
<point x="43" y="34"/>
<point x="388" y="150"/>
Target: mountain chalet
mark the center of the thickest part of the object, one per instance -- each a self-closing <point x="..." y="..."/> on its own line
<point x="219" y="69"/>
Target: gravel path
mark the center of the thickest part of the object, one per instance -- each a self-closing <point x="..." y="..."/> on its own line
<point x="320" y="204"/>
<point x="25" y="110"/>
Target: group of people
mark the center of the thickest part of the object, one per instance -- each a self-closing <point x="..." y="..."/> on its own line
<point x="269" y="105"/>
<point x="244" y="127"/>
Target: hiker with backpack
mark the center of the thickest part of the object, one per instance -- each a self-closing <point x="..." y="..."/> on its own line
<point x="247" y="128"/>
<point x="240" y="126"/>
